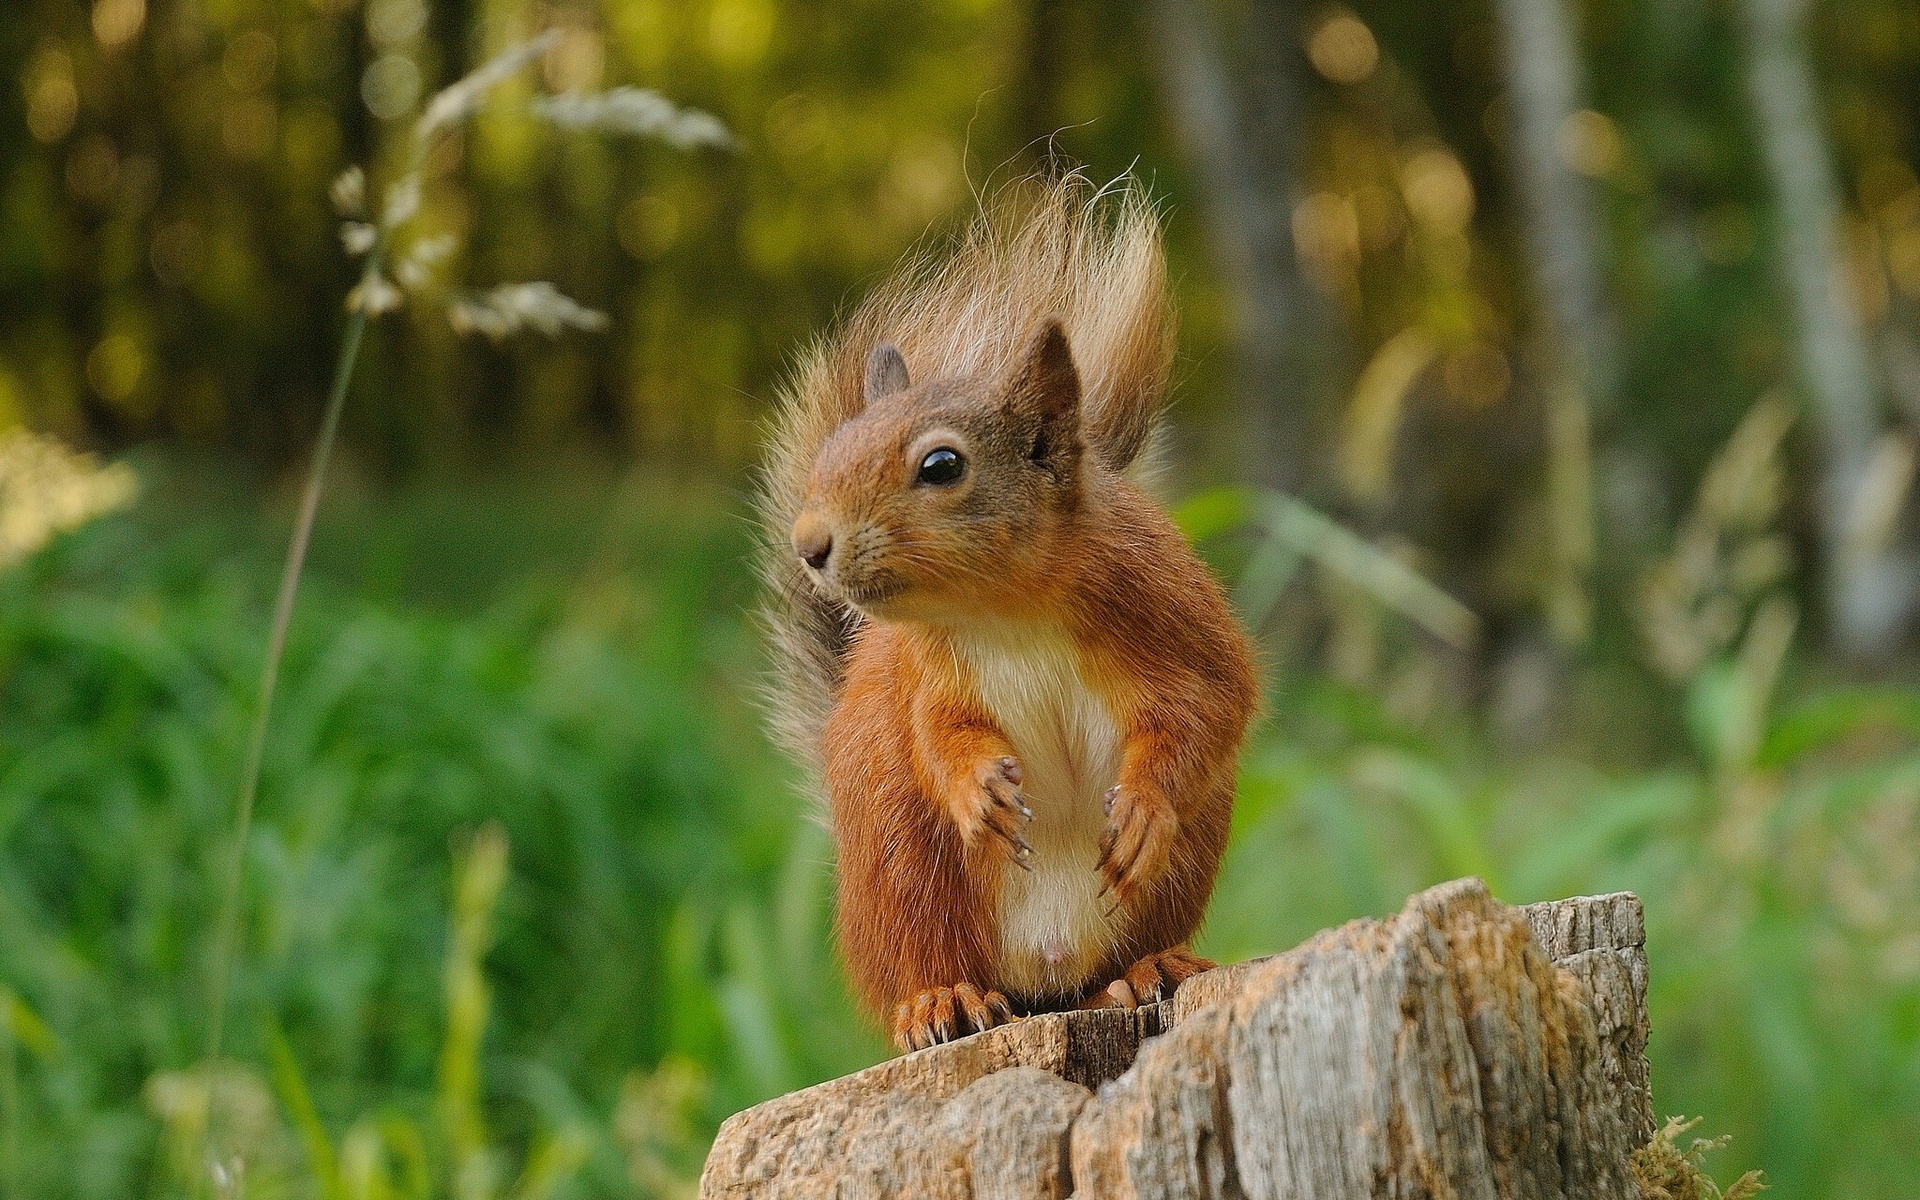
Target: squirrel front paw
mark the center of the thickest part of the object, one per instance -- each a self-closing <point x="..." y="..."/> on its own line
<point x="990" y="805"/>
<point x="943" y="1014"/>
<point x="1138" y="843"/>
<point x="1154" y="978"/>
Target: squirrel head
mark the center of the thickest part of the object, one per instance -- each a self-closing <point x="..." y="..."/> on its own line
<point x="946" y="499"/>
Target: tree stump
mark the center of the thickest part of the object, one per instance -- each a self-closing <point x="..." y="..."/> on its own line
<point x="1462" y="1048"/>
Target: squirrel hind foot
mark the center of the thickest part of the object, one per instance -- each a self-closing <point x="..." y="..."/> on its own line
<point x="1151" y="980"/>
<point x="944" y="1014"/>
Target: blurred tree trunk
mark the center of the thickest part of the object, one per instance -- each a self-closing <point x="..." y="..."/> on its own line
<point x="1239" y="118"/>
<point x="1868" y="594"/>
<point x="1574" y="348"/>
<point x="1562" y="228"/>
<point x="1036" y="106"/>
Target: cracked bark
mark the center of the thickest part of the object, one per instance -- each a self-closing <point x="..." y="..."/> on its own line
<point x="1461" y="1047"/>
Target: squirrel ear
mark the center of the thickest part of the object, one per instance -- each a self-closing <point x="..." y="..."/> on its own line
<point x="886" y="373"/>
<point x="1046" y="380"/>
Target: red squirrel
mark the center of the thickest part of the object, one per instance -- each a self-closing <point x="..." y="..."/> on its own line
<point x="1023" y="692"/>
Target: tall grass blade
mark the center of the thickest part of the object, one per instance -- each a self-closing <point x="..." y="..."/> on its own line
<point x="468" y="999"/>
<point x="290" y="1084"/>
<point x="9" y="1099"/>
<point x="1292" y="532"/>
<point x="227" y="922"/>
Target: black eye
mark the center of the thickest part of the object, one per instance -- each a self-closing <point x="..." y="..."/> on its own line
<point x="941" y="467"/>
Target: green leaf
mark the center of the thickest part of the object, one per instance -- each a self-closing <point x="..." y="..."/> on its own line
<point x="554" y="1161"/>
<point x="26" y="1027"/>
<point x="1390" y="582"/>
<point x="1716" y="705"/>
<point x="290" y="1084"/>
<point x="1210" y="513"/>
<point x="1836" y="715"/>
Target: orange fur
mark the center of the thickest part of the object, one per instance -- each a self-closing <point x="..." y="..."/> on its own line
<point x="1024" y="692"/>
<point x="915" y="900"/>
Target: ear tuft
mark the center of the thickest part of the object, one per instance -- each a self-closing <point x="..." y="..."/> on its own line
<point x="1046" y="379"/>
<point x="886" y="373"/>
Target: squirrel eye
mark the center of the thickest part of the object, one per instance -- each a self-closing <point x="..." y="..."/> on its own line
<point x="941" y="467"/>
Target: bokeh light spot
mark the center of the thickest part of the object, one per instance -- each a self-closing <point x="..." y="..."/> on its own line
<point x="53" y="98"/>
<point x="395" y="22"/>
<point x="117" y="22"/>
<point x="739" y="31"/>
<point x="923" y="176"/>
<point x="1437" y="190"/>
<point x="1590" y="144"/>
<point x="1342" y="48"/>
<point x="390" y="86"/>
<point x="114" y="367"/>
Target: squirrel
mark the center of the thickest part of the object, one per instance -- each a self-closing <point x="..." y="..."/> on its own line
<point x="1022" y="690"/>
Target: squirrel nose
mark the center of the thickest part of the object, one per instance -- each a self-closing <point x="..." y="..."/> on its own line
<point x="812" y="541"/>
<point x="815" y="553"/>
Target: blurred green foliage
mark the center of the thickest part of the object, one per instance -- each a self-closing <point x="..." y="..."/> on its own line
<point x="665" y="899"/>
<point x="475" y="657"/>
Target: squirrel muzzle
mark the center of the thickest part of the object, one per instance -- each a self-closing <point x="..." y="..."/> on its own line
<point x="848" y="558"/>
<point x="813" y="540"/>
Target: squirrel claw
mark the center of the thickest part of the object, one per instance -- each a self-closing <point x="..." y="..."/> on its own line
<point x="945" y="1014"/>
<point x="1019" y="849"/>
<point x="1137" y="843"/>
<point x="1154" y="978"/>
<point x="996" y="806"/>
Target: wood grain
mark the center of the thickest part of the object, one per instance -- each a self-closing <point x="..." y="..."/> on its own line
<point x="1461" y="1047"/>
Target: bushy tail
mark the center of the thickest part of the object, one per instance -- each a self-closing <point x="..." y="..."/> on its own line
<point x="1090" y="256"/>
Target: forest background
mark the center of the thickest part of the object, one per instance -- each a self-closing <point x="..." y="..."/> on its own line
<point x="1548" y="388"/>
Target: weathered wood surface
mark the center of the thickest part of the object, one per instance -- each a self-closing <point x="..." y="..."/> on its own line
<point x="1461" y="1048"/>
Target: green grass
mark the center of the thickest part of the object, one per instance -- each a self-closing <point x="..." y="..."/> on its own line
<point x="562" y="657"/>
<point x="666" y="896"/>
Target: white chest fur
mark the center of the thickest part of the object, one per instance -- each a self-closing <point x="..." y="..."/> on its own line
<point x="1052" y="922"/>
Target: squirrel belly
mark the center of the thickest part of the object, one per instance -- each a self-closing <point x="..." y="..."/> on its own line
<point x="1053" y="931"/>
